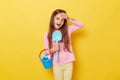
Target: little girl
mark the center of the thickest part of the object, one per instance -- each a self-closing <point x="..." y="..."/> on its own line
<point x="63" y="68"/>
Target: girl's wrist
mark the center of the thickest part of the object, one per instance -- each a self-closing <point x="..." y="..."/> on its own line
<point x="52" y="50"/>
<point x="71" y="20"/>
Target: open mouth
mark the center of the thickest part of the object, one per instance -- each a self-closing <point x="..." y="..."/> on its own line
<point x="59" y="24"/>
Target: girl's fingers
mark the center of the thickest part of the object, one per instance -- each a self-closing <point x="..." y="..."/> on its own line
<point x="64" y="15"/>
<point x="55" y="48"/>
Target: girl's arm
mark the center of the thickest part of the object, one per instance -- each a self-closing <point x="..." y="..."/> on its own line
<point x="76" y="23"/>
<point x="46" y="45"/>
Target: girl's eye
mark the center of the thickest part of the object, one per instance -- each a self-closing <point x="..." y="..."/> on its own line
<point x="57" y="18"/>
<point x="62" y="19"/>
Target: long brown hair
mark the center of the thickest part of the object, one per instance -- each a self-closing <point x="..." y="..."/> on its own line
<point x="63" y="29"/>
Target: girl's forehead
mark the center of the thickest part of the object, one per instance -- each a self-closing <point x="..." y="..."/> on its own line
<point x="58" y="15"/>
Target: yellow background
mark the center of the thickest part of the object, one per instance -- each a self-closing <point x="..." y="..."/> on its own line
<point x="96" y="46"/>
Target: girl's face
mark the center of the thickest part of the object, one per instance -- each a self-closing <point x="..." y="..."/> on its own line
<point x="58" y="20"/>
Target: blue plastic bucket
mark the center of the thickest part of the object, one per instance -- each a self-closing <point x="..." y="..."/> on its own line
<point x="47" y="63"/>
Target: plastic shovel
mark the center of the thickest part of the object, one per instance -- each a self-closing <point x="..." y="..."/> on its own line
<point x="56" y="36"/>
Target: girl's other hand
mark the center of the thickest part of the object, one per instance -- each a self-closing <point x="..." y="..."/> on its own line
<point x="54" y="48"/>
<point x="64" y="16"/>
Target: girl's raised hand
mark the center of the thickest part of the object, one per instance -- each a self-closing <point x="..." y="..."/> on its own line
<point x="64" y="15"/>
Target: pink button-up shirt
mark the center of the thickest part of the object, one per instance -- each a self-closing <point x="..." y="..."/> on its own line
<point x="64" y="56"/>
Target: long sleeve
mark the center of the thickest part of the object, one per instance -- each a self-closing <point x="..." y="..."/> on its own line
<point x="45" y="41"/>
<point x="76" y="25"/>
<point x="46" y="45"/>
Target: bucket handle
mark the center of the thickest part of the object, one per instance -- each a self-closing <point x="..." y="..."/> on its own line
<point x="42" y="51"/>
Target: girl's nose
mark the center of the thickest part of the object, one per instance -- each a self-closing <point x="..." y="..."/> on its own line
<point x="61" y="21"/>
